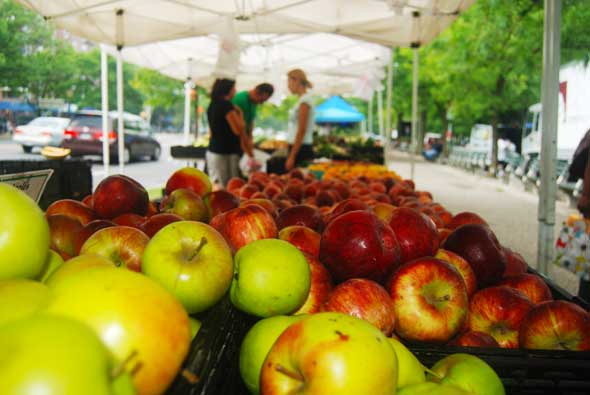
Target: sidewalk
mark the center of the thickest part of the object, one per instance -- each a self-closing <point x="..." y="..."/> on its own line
<point x="509" y="209"/>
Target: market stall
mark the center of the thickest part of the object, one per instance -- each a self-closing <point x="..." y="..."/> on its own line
<point x="227" y="259"/>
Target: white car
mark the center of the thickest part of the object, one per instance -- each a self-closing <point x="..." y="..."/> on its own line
<point x="40" y="132"/>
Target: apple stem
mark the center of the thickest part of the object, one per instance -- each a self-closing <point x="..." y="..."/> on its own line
<point x="294" y="375"/>
<point x="120" y="368"/>
<point x="198" y="249"/>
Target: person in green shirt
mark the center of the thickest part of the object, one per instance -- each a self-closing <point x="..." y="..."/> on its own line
<point x="247" y="102"/>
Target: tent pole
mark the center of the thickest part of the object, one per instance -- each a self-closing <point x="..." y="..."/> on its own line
<point x="370" y="113"/>
<point x="380" y="111"/>
<point x="187" y="110"/>
<point x="388" y="110"/>
<point x="549" y="114"/>
<point x="414" y="145"/>
<point x="104" y="92"/>
<point x="120" y="123"/>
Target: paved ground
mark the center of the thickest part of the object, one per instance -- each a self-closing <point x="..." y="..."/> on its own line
<point x="509" y="209"/>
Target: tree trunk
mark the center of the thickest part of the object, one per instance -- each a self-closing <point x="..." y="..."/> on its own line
<point x="494" y="158"/>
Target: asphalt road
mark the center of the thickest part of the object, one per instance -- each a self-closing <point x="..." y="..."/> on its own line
<point x="148" y="173"/>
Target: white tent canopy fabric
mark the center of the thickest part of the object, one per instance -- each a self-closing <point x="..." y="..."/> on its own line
<point x="387" y="22"/>
<point x="335" y="64"/>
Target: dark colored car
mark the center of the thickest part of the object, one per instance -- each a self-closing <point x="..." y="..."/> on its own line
<point x="84" y="136"/>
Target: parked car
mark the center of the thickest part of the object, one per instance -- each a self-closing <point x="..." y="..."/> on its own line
<point x="84" y="136"/>
<point x="40" y="132"/>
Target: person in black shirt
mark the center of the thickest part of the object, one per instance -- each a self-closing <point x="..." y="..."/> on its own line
<point x="227" y="128"/>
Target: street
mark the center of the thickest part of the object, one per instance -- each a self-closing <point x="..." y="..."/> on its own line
<point x="150" y="174"/>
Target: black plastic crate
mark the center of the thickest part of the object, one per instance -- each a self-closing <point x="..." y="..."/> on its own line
<point x="188" y="151"/>
<point x="71" y="179"/>
<point x="212" y="364"/>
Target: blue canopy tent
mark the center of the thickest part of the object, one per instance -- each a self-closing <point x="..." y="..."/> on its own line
<point x="336" y="110"/>
<point x="16" y="106"/>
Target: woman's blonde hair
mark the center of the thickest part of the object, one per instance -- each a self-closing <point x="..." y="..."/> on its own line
<point x="300" y="76"/>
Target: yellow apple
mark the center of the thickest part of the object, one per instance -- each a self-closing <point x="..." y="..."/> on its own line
<point x="410" y="370"/>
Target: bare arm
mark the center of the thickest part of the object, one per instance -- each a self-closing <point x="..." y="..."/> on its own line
<point x="301" y="129"/>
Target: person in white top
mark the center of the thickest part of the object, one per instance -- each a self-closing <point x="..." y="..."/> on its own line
<point x="301" y="121"/>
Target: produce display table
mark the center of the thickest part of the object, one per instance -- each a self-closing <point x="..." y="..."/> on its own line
<point x="212" y="365"/>
<point x="71" y="179"/>
<point x="189" y="153"/>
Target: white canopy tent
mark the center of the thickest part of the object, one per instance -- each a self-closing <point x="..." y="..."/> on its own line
<point x="126" y="23"/>
<point x="392" y="23"/>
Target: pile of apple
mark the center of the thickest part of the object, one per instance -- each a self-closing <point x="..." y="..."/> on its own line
<point x="339" y="269"/>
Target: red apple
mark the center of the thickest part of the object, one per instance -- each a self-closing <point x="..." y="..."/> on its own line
<point x="221" y="201"/>
<point x="320" y="288"/>
<point x="305" y="239"/>
<point x="515" y="263"/>
<point x="474" y="339"/>
<point x="295" y="191"/>
<point x="118" y="194"/>
<point x="234" y="184"/>
<point x="63" y="232"/>
<point x="499" y="311"/>
<point x="430" y="300"/>
<point x="531" y="285"/>
<point x="462" y="266"/>
<point x="443" y="233"/>
<point x="88" y="201"/>
<point x="556" y="325"/>
<point x="129" y="219"/>
<point x="301" y="215"/>
<point x="282" y="204"/>
<point x="478" y="245"/>
<point x="326" y="198"/>
<point x="384" y="211"/>
<point x="244" y="225"/>
<point x="272" y="189"/>
<point x="152" y="209"/>
<point x="72" y="208"/>
<point x="296" y="173"/>
<point x="153" y="224"/>
<point x="259" y="195"/>
<point x="121" y="244"/>
<point x="416" y="233"/>
<point x="89" y="230"/>
<point x="264" y="203"/>
<point x="364" y="299"/>
<point x="186" y="204"/>
<point x="357" y="244"/>
<point x="466" y="217"/>
<point x="189" y="178"/>
<point x="247" y="191"/>
<point x="347" y="205"/>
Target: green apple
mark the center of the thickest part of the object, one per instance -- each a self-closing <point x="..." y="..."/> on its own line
<point x="271" y="277"/>
<point x="468" y="372"/>
<point x="20" y="298"/>
<point x="53" y="261"/>
<point x="330" y="353"/>
<point x="192" y="261"/>
<point x="24" y="235"/>
<point x="77" y="264"/>
<point x="53" y="355"/>
<point x="410" y="370"/>
<point x="144" y="327"/>
<point x="195" y="326"/>
<point x="430" y="388"/>
<point x="256" y="345"/>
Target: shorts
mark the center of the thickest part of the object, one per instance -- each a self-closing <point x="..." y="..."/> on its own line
<point x="222" y="167"/>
